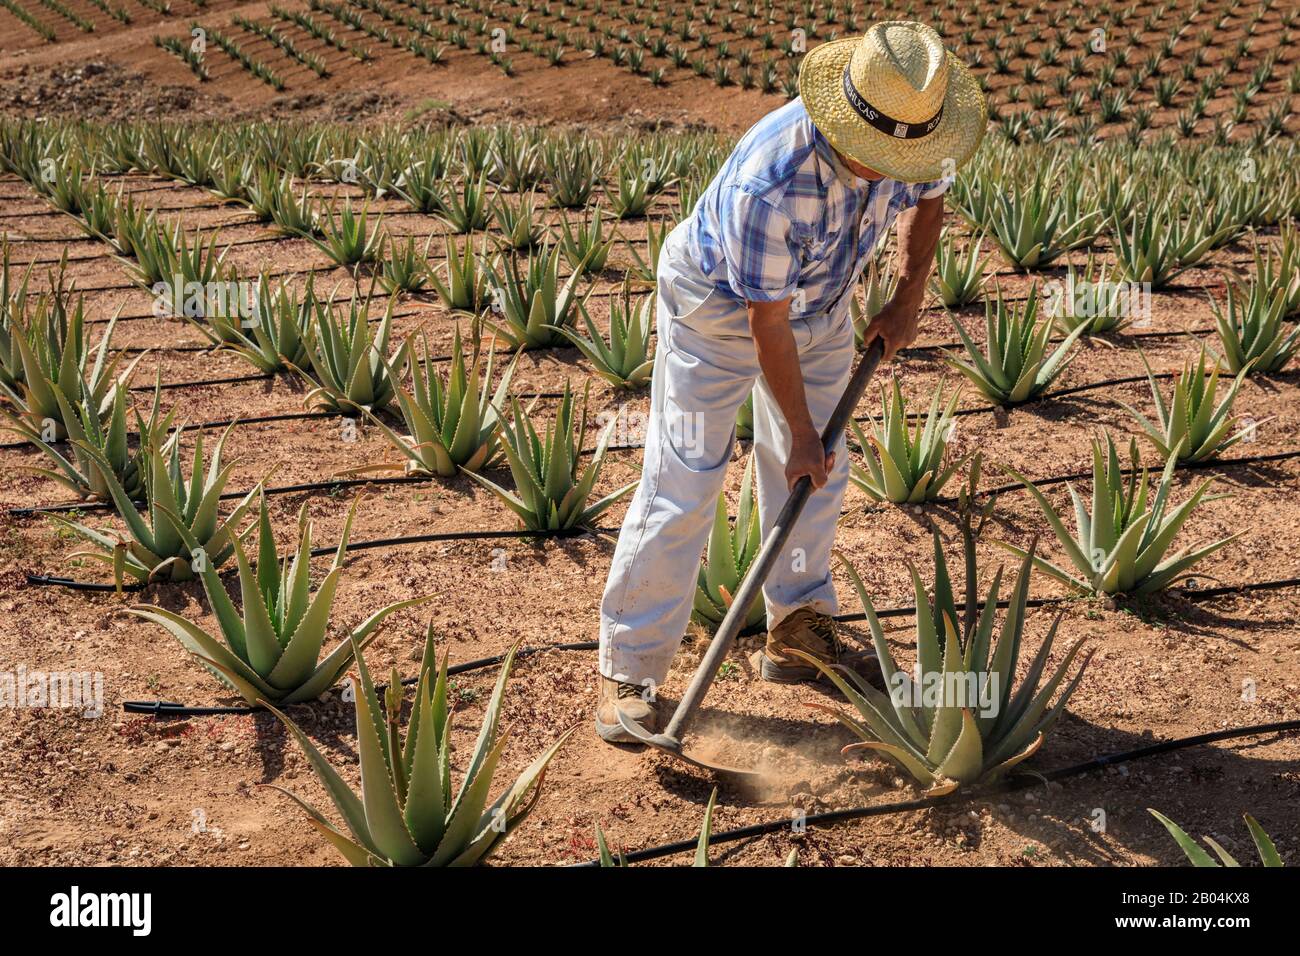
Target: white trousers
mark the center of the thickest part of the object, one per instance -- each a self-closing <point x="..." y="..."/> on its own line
<point x="705" y="367"/>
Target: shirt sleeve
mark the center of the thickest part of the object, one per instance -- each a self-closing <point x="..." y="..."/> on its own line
<point x="761" y="256"/>
<point x="934" y="189"/>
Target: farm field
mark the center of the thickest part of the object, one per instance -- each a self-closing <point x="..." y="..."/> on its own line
<point x="384" y="180"/>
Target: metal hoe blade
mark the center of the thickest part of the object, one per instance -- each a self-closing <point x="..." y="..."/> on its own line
<point x="670" y="741"/>
<point x="673" y="747"/>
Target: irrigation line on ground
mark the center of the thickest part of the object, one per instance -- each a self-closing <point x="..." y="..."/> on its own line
<point x="233" y="380"/>
<point x="1086" y="475"/>
<point x="258" y="377"/>
<point x="987" y="409"/>
<point x="292" y="416"/>
<point x="960" y="797"/>
<point x="172" y="709"/>
<point x="166" y="708"/>
<point x="179" y="321"/>
<point x="221" y="202"/>
<point x="137" y="287"/>
<point x="339" y="484"/>
<point x="199" y="426"/>
<point x="47" y="580"/>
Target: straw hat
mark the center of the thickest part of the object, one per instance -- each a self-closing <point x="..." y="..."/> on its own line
<point x="895" y="100"/>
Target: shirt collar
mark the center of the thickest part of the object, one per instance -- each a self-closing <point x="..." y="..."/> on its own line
<point x="841" y="172"/>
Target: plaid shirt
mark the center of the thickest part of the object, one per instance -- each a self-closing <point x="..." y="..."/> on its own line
<point x="779" y="219"/>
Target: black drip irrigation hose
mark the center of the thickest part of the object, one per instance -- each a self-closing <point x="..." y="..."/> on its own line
<point x="165" y="708"/>
<point x="986" y="409"/>
<point x="54" y="581"/>
<point x="1116" y="341"/>
<point x="176" y="319"/>
<point x="1205" y="464"/>
<point x="171" y="709"/>
<point x="263" y="419"/>
<point x="46" y="580"/>
<point x="232" y="380"/>
<point x="136" y="287"/>
<point x="223" y="423"/>
<point x="373" y="319"/>
<point x="961" y="797"/>
<point x="513" y="533"/>
<point x="340" y="484"/>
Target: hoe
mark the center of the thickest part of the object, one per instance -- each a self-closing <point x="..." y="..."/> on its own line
<point x="670" y="740"/>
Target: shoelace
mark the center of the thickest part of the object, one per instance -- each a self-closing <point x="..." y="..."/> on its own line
<point x="824" y="628"/>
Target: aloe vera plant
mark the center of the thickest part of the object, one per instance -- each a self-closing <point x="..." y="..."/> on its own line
<point x="350" y="371"/>
<point x="1159" y="243"/>
<point x="408" y="812"/>
<point x="552" y="491"/>
<point x="451" y="424"/>
<point x="877" y="284"/>
<point x="626" y="360"/>
<point x="1197" y="856"/>
<point x="1120" y="545"/>
<point x="13" y="310"/>
<point x="407" y="267"/>
<point x="633" y="196"/>
<point x="1190" y="424"/>
<point x="293" y="213"/>
<point x="745" y="419"/>
<point x="906" y="465"/>
<point x="730" y="552"/>
<point x="1251" y="330"/>
<point x="133" y="227"/>
<point x="57" y="374"/>
<point x="959" y="720"/>
<point x="585" y="247"/>
<point x="1032" y="225"/>
<point x="521" y="229"/>
<point x="420" y="185"/>
<point x="534" y="303"/>
<point x="469" y="209"/>
<point x="181" y="527"/>
<point x="272" y="650"/>
<point x="1015" y="365"/>
<point x="348" y="238"/>
<point x="1093" y="300"/>
<point x="1278" y="269"/>
<point x="571" y="172"/>
<point x="167" y="258"/>
<point x="79" y="472"/>
<point x="646" y="267"/>
<point x="958" y="273"/>
<point x="274" y="338"/>
<point x="466" y="287"/>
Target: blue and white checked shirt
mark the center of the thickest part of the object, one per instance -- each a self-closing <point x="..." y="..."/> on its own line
<point x="778" y="220"/>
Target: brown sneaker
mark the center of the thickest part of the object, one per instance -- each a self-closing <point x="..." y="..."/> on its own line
<point x="814" y="634"/>
<point x="618" y="696"/>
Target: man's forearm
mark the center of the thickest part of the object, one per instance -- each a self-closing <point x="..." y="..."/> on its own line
<point x="778" y="357"/>
<point x="918" y="235"/>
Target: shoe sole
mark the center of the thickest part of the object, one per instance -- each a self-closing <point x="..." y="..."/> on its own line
<point x="776" y="674"/>
<point x="614" y="733"/>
